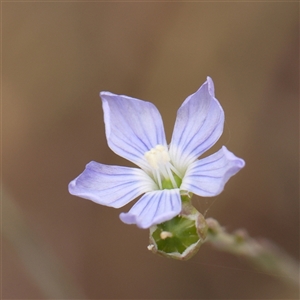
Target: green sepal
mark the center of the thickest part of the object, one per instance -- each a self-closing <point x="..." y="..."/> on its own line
<point x="181" y="237"/>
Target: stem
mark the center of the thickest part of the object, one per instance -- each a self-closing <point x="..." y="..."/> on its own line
<point x="262" y="253"/>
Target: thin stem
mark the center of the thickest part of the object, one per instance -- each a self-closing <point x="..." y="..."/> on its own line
<point x="262" y="253"/>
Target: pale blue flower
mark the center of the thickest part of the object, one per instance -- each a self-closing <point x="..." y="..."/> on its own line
<point x="134" y="130"/>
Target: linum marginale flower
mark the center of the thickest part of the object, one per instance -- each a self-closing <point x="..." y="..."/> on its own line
<point x="167" y="173"/>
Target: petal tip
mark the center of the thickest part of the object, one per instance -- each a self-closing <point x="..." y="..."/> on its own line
<point x="71" y="187"/>
<point x="105" y="93"/>
<point x="107" y="96"/>
<point x="130" y="219"/>
<point x="211" y="86"/>
<point x="239" y="162"/>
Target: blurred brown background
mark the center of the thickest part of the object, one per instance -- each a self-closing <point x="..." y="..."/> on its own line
<point x="58" y="56"/>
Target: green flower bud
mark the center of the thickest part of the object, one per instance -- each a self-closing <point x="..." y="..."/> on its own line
<point x="181" y="237"/>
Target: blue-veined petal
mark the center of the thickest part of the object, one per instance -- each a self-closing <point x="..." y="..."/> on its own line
<point x="112" y="186"/>
<point x="132" y="127"/>
<point x="206" y="177"/>
<point x="198" y="126"/>
<point x="154" y="208"/>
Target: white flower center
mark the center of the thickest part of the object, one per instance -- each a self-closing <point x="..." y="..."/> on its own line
<point x="157" y="156"/>
<point x="163" y="171"/>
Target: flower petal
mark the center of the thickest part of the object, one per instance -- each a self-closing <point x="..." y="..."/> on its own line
<point x="198" y="126"/>
<point x="206" y="177"/>
<point x="154" y="208"/>
<point x="112" y="186"/>
<point x="132" y="127"/>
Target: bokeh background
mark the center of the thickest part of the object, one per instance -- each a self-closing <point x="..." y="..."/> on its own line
<point x="58" y="56"/>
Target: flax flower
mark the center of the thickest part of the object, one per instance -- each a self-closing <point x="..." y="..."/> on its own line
<point x="134" y="130"/>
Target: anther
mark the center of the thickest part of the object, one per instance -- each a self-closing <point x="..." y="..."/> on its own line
<point x="157" y="156"/>
<point x="161" y="167"/>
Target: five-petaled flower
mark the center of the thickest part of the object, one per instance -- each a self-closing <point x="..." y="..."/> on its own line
<point x="134" y="130"/>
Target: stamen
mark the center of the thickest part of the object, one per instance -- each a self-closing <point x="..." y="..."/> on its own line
<point x="151" y="157"/>
<point x="158" y="178"/>
<point x="157" y="155"/>
<point x="172" y="177"/>
<point x="175" y="170"/>
<point x="164" y="170"/>
<point x="158" y="159"/>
